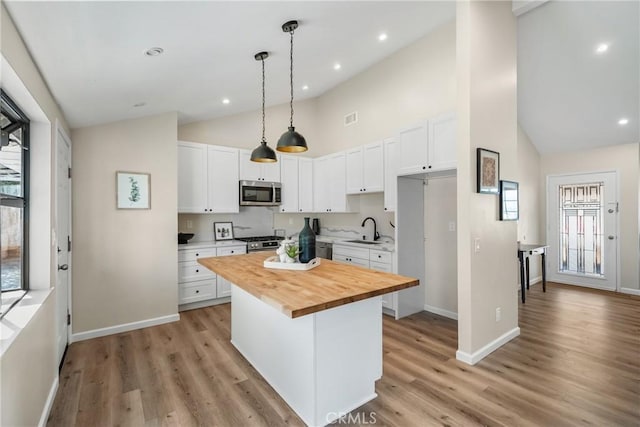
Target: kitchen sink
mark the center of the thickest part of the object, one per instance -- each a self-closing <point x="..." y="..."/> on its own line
<point x="364" y="242"/>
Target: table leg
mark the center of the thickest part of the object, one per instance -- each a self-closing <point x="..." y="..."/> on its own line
<point x="520" y="256"/>
<point x="527" y="271"/>
<point x="544" y="272"/>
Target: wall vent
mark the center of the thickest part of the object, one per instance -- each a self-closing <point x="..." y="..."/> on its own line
<point x="351" y="118"/>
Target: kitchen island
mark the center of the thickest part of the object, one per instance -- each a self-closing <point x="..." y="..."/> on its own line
<point x="316" y="335"/>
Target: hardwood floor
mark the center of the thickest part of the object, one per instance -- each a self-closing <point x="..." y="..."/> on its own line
<point x="576" y="362"/>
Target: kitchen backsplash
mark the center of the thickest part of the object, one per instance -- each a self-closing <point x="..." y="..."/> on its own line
<point x="251" y="221"/>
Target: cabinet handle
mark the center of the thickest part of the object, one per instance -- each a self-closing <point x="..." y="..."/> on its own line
<point x="385" y="209"/>
<point x="379" y="256"/>
<point x="197" y="271"/>
<point x="300" y="210"/>
<point x="232" y="252"/>
<point x="197" y="291"/>
<point x="424" y="167"/>
<point x="197" y="254"/>
<point x="429" y="166"/>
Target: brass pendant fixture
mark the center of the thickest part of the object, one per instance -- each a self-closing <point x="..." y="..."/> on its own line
<point x="291" y="141"/>
<point x="264" y="153"/>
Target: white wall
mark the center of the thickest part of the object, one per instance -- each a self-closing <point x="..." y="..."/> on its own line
<point x="28" y="366"/>
<point x="530" y="222"/>
<point x="487" y="118"/>
<point x="624" y="159"/>
<point x="125" y="261"/>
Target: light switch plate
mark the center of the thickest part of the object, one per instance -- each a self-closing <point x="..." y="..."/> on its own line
<point x="476" y="244"/>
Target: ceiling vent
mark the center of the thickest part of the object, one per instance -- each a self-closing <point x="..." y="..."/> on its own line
<point x="351" y="118"/>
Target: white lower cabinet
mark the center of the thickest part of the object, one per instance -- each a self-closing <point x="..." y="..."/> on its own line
<point x="197" y="283"/>
<point x="369" y="258"/>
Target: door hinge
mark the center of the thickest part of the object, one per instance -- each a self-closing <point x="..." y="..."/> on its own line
<point x="68" y="318"/>
<point x="68" y="244"/>
<point x="69" y="172"/>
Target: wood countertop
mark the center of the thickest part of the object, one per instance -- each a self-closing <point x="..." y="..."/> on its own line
<point x="298" y="293"/>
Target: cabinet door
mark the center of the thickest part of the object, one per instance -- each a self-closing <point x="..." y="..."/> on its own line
<point x="321" y="184"/>
<point x="222" y="166"/>
<point x="270" y="171"/>
<point x="290" y="183"/>
<point x="338" y="179"/>
<point x="442" y="142"/>
<point x="249" y="171"/>
<point x="413" y="149"/>
<point x="353" y="261"/>
<point x="224" y="287"/>
<point x="391" y="154"/>
<point x="192" y="177"/>
<point x="373" y="167"/>
<point x="353" y="171"/>
<point x="305" y="185"/>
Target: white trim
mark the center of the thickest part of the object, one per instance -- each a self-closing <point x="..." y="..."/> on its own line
<point x="577" y="283"/>
<point x="441" y="312"/>
<point x="49" y="403"/>
<point x="630" y="291"/>
<point x="472" y="359"/>
<point x="125" y="327"/>
<point x="202" y="304"/>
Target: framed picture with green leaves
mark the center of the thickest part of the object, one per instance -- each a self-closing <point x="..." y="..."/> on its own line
<point x="133" y="190"/>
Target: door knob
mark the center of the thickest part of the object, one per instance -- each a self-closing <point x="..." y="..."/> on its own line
<point x="611" y="237"/>
<point x="63" y="267"/>
<point x="610" y="211"/>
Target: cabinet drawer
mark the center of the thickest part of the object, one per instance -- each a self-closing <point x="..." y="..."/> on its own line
<point x="380" y="266"/>
<point x="190" y="271"/>
<point x="380" y="256"/>
<point x="204" y="290"/>
<point x="190" y="255"/>
<point x="350" y="252"/>
<point x="351" y="260"/>
<point x="232" y="250"/>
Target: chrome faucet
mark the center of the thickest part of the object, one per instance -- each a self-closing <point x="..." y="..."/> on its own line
<point x="376" y="235"/>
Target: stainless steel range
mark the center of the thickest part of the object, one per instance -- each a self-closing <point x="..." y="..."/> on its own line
<point x="261" y="243"/>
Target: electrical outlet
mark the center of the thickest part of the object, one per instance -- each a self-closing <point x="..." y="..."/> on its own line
<point x="476" y="244"/>
<point x="189" y="224"/>
<point x="498" y="314"/>
<point x="452" y="226"/>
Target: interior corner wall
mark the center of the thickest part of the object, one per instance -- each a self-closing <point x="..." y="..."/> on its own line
<point x="530" y="222"/>
<point x="125" y="261"/>
<point x="624" y="159"/>
<point x="487" y="118"/>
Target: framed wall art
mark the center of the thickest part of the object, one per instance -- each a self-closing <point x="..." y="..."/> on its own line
<point x="223" y="230"/>
<point x="133" y="190"/>
<point x="509" y="203"/>
<point x="488" y="171"/>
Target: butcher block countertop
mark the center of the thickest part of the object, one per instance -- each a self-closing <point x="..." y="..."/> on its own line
<point x="298" y="293"/>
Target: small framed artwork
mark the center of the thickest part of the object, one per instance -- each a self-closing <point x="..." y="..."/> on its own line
<point x="509" y="203"/>
<point x="488" y="171"/>
<point x="223" y="230"/>
<point x="133" y="190"/>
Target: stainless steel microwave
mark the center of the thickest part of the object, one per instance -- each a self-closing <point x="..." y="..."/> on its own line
<point x="260" y="193"/>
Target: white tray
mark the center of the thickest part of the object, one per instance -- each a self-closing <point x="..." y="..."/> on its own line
<point x="274" y="262"/>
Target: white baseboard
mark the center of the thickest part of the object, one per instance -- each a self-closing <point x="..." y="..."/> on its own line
<point x="202" y="304"/>
<point x="532" y="282"/>
<point x="441" y="312"/>
<point x="630" y="291"/>
<point x="474" y="358"/>
<point x="49" y="403"/>
<point x="126" y="327"/>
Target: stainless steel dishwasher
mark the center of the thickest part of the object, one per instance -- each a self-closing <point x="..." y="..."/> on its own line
<point x="324" y="250"/>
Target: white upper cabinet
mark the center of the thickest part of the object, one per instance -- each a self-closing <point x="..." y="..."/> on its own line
<point x="442" y="142"/>
<point x="297" y="184"/>
<point x="192" y="177"/>
<point x="329" y="184"/>
<point x="223" y="182"/>
<point x="391" y="157"/>
<point x="305" y="185"/>
<point x="256" y="171"/>
<point x="428" y="146"/>
<point x="364" y="173"/>
<point x="321" y="184"/>
<point x="207" y="178"/>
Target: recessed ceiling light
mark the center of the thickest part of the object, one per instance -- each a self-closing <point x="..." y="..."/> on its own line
<point x="154" y="51"/>
<point x="623" y="121"/>
<point x="602" y="48"/>
<point x="305" y="87"/>
<point x="226" y="101"/>
<point x="140" y="104"/>
<point x="337" y="66"/>
<point x="382" y="37"/>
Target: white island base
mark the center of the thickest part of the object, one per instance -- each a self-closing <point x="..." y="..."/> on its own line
<point x="324" y="364"/>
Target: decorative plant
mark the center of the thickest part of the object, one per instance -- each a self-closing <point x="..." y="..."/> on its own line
<point x="135" y="190"/>
<point x="292" y="251"/>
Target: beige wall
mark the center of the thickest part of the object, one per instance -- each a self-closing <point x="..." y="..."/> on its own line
<point x="528" y="177"/>
<point x="28" y="366"/>
<point x="621" y="158"/>
<point x="487" y="117"/>
<point x="125" y="261"/>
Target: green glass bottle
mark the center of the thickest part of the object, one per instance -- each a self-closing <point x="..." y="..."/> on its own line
<point x="307" y="243"/>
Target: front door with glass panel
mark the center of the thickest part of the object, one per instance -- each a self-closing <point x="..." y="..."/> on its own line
<point x="582" y="215"/>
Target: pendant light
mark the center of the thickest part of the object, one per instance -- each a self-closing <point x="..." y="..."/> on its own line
<point x="291" y="141"/>
<point x="264" y="153"/>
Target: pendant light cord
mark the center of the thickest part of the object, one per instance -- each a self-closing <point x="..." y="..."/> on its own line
<point x="263" y="96"/>
<point x="291" y="78"/>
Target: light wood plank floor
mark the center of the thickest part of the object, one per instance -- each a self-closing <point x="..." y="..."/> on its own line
<point x="576" y="362"/>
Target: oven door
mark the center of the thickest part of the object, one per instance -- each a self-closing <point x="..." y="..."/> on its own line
<point x="254" y="193"/>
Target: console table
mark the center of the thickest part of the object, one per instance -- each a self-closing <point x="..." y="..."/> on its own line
<point x="524" y="252"/>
